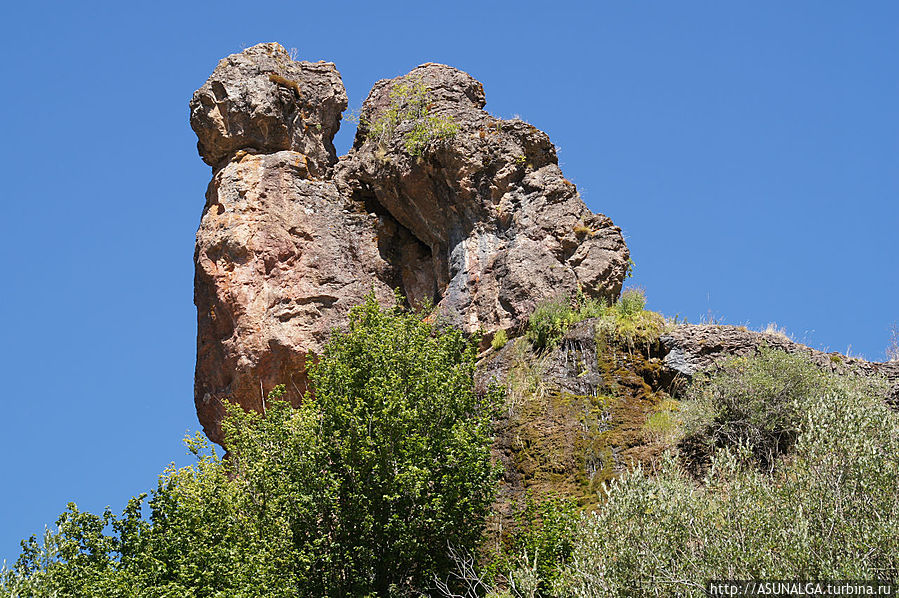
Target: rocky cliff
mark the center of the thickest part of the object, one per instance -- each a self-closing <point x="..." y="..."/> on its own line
<point x="452" y="207"/>
<point x="437" y="198"/>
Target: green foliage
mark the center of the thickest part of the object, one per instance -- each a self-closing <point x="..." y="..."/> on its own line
<point x="357" y="492"/>
<point x="552" y="318"/>
<point x="629" y="322"/>
<point x="827" y="510"/>
<point x="664" y="424"/>
<point x="499" y="340"/>
<point x="755" y="403"/>
<point x="528" y="561"/>
<point x="626" y="320"/>
<point x="543" y="535"/>
<point x="410" y="445"/>
<point x="409" y="110"/>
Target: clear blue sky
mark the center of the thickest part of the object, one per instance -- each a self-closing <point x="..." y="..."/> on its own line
<point x="750" y="152"/>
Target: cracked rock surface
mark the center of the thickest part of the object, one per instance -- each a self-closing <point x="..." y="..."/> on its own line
<point x="481" y="223"/>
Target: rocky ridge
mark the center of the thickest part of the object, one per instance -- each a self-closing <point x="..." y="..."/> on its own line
<point x="581" y="413"/>
<point x="480" y="222"/>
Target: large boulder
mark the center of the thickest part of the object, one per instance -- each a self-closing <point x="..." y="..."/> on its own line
<point x="262" y="100"/>
<point x="478" y="220"/>
<point x="503" y="228"/>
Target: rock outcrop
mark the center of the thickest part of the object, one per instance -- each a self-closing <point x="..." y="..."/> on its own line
<point x="262" y="101"/>
<point x="499" y="225"/>
<point x="477" y="220"/>
<point x="583" y="411"/>
<point x="690" y="349"/>
<point x="575" y="414"/>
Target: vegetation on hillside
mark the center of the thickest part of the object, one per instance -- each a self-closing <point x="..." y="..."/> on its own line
<point x="798" y="481"/>
<point x="358" y="492"/>
<point x="381" y="483"/>
<point x="800" y="484"/>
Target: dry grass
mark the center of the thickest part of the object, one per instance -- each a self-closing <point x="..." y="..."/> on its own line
<point x="583" y="231"/>
<point x="777" y="331"/>
<point x="893" y="347"/>
<point x="285" y="82"/>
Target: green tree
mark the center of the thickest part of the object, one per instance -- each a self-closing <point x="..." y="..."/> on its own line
<point x="410" y="444"/>
<point x="359" y="491"/>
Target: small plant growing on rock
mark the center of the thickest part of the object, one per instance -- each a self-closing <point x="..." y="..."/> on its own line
<point x="552" y="318"/>
<point x="582" y="230"/>
<point x="499" y="340"/>
<point x="285" y="82"/>
<point x="410" y="109"/>
<point x="628" y="321"/>
<point x="778" y="331"/>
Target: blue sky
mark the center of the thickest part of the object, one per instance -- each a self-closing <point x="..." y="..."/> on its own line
<point x="750" y="152"/>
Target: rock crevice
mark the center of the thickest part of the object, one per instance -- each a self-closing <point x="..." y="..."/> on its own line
<point x="480" y="222"/>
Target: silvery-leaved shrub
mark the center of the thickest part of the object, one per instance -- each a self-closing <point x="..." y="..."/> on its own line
<point x="826" y="508"/>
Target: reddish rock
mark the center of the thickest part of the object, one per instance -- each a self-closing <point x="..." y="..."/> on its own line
<point x="482" y="223"/>
<point x="279" y="262"/>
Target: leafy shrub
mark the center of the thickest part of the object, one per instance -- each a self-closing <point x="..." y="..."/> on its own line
<point x="410" y="104"/>
<point x="828" y="510"/>
<point x="552" y="318"/>
<point x="409" y="443"/>
<point x="628" y="321"/>
<point x="357" y="492"/>
<point x="542" y="539"/>
<point x="529" y="560"/>
<point x="756" y="403"/>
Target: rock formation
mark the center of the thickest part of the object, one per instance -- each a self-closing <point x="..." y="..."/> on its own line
<point x="690" y="349"/>
<point x="437" y="198"/>
<point x="580" y="412"/>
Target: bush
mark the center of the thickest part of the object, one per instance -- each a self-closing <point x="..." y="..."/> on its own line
<point x="357" y="492"/>
<point x="552" y="318"/>
<point x="626" y="320"/>
<point x="409" y="445"/>
<point x="528" y="561"/>
<point x="542" y="538"/>
<point x="827" y="510"/>
<point x="629" y="322"/>
<point x="410" y="104"/>
<point x="756" y="403"/>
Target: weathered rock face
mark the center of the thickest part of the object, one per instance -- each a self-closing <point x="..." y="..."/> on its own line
<point x="279" y="262"/>
<point x="498" y="224"/>
<point x="482" y="224"/>
<point x="575" y="414"/>
<point x="261" y="100"/>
